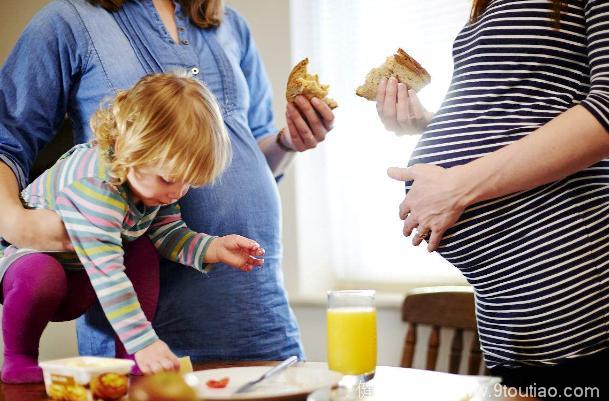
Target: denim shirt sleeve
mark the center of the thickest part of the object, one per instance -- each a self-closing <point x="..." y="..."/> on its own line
<point x="260" y="113"/>
<point x="35" y="84"/>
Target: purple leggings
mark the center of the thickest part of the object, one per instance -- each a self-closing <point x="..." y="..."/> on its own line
<point x="36" y="290"/>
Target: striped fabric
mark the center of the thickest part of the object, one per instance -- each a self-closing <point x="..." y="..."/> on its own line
<point x="538" y="260"/>
<point x="98" y="218"/>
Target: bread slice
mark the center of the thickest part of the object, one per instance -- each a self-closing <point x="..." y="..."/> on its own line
<point x="302" y="83"/>
<point x="400" y="65"/>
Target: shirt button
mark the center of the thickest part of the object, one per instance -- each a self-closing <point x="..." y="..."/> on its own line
<point x="185" y="42"/>
<point x="194" y="71"/>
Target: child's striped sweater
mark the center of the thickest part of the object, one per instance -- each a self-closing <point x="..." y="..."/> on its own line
<point x="98" y="218"/>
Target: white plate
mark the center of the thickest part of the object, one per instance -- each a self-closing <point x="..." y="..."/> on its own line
<point x="320" y="395"/>
<point x="294" y="381"/>
<point x="412" y="384"/>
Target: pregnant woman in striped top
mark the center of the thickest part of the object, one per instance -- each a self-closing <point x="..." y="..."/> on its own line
<point x="153" y="142"/>
<point x="510" y="183"/>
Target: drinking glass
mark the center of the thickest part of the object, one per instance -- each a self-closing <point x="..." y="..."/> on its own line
<point x="351" y="324"/>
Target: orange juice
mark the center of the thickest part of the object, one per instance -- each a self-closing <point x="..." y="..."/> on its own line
<point x="352" y="340"/>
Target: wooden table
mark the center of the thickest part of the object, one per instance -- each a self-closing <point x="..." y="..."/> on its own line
<point x="388" y="384"/>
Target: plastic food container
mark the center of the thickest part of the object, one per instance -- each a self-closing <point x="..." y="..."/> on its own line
<point x="87" y="379"/>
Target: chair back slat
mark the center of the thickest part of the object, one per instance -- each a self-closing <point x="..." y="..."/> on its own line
<point x="432" y="348"/>
<point x="409" y="344"/>
<point x="456" y="349"/>
<point x="475" y="357"/>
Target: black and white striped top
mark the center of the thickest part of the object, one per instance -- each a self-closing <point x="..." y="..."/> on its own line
<point x="538" y="260"/>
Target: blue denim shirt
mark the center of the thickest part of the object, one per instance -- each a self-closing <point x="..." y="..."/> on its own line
<point x="73" y="55"/>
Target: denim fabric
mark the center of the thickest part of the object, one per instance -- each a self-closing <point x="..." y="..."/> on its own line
<point x="72" y="56"/>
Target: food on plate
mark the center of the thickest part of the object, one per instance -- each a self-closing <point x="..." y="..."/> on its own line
<point x="87" y="378"/>
<point x="164" y="386"/>
<point x="222" y="383"/>
<point x="302" y="83"/>
<point x="401" y="66"/>
<point x="185" y="365"/>
<point x="109" y="386"/>
<point x="74" y="392"/>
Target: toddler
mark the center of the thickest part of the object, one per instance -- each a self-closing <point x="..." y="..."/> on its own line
<point x="152" y="143"/>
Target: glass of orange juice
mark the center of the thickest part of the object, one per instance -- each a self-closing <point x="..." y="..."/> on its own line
<point x="351" y="324"/>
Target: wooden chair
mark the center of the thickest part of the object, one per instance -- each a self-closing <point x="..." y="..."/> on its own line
<point x="448" y="307"/>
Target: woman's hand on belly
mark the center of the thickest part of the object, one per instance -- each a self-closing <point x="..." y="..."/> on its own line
<point x="434" y="203"/>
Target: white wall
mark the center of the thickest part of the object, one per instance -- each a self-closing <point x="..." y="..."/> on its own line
<point x="269" y="20"/>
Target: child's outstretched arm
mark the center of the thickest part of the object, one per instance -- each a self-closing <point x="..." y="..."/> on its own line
<point x="93" y="214"/>
<point x="235" y="250"/>
<point x="175" y="241"/>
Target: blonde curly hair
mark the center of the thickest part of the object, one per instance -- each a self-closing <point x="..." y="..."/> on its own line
<point x="168" y="121"/>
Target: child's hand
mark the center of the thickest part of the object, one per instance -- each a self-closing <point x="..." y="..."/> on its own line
<point x="156" y="358"/>
<point x="236" y="251"/>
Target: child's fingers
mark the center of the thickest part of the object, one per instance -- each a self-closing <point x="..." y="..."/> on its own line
<point x="243" y="242"/>
<point x="249" y="262"/>
<point x="253" y="250"/>
<point x="256" y="251"/>
<point x="242" y="261"/>
<point x="155" y="367"/>
<point x="255" y="261"/>
<point x="144" y="368"/>
<point x="173" y="361"/>
<point x="248" y="246"/>
<point x="167" y="364"/>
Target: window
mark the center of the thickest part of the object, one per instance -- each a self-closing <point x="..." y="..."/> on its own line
<point x="347" y="207"/>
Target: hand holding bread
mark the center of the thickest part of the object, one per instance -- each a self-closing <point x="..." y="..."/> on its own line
<point x="402" y="67"/>
<point x="309" y="115"/>
<point x="399" y="108"/>
<point x="393" y="85"/>
<point x="300" y="82"/>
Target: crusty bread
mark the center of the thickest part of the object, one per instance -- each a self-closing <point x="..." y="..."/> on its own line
<point x="400" y="65"/>
<point x="302" y="83"/>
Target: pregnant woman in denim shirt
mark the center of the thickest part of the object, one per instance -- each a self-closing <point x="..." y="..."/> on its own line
<point x="72" y="55"/>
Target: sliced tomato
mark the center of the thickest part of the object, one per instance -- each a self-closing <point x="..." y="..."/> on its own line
<point x="218" y="383"/>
